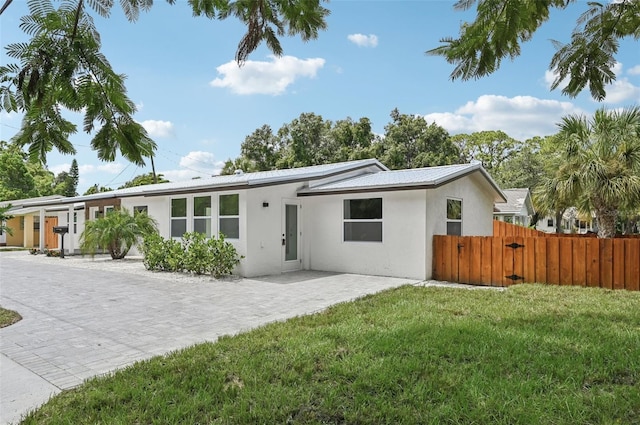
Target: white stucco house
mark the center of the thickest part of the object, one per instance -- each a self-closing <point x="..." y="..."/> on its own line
<point x="352" y="217"/>
<point x="572" y="222"/>
<point x="518" y="208"/>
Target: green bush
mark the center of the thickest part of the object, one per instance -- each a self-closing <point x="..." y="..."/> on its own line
<point x="196" y="254"/>
<point x="225" y="256"/>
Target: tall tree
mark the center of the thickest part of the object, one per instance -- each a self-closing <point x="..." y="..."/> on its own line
<point x="492" y="148"/>
<point x="144" y="179"/>
<point x="601" y="168"/>
<point x="305" y="141"/>
<point x="96" y="188"/>
<point x="410" y="142"/>
<point x="501" y="26"/>
<point x="262" y="149"/>
<point x="74" y="179"/>
<point x="16" y="182"/>
<point x="62" y="66"/>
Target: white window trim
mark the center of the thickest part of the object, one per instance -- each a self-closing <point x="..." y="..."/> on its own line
<point x="171" y="217"/>
<point x="202" y="217"/>
<point x="220" y="216"/>
<point x="363" y="220"/>
<point x="454" y="220"/>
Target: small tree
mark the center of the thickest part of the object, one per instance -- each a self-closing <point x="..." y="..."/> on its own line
<point x="117" y="232"/>
<point x="4" y="217"/>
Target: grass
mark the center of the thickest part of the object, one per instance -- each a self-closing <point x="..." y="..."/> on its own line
<point x="8" y="317"/>
<point x="530" y="355"/>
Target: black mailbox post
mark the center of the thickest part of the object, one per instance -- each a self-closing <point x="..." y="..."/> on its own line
<point x="61" y="230"/>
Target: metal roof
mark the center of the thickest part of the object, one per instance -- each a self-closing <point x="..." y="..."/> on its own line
<point x="403" y="179"/>
<point x="516" y="199"/>
<point x="220" y="182"/>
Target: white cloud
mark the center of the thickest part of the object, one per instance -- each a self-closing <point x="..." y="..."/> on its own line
<point x="257" y="77"/>
<point x="521" y="117"/>
<point x="109" y="168"/>
<point x="617" y="68"/>
<point x="634" y="70"/>
<point x="363" y="40"/>
<point x="195" y="164"/>
<point x="57" y="169"/>
<point x="550" y="77"/>
<point x="622" y="90"/>
<point x="158" y="128"/>
<point x="139" y="106"/>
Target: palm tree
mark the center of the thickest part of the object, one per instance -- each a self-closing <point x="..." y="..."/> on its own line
<point x="601" y="171"/>
<point x="117" y="232"/>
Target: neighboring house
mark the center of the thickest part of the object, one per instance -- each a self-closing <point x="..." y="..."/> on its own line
<point x="572" y="222"/>
<point x="26" y="221"/>
<point x="517" y="210"/>
<point x="353" y="217"/>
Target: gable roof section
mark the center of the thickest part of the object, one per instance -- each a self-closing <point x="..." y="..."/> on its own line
<point x="416" y="178"/>
<point x="516" y="200"/>
<point x="236" y="181"/>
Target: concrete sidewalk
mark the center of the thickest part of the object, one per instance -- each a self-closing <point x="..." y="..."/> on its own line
<point x="83" y="317"/>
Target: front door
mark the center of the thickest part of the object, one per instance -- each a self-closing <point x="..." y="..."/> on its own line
<point x="291" y="235"/>
<point x="50" y="238"/>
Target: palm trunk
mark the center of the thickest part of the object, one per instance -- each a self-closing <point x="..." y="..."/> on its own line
<point x="559" y="221"/>
<point x="606" y="220"/>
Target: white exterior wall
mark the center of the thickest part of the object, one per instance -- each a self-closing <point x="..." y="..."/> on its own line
<point x="71" y="239"/>
<point x="401" y="252"/>
<point x="159" y="207"/>
<point x="477" y="212"/>
<point x="264" y="229"/>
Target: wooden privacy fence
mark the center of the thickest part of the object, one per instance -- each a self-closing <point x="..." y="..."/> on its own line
<point x="504" y="261"/>
<point x="502" y="228"/>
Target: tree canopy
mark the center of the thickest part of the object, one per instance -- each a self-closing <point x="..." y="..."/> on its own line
<point x="501" y="26"/>
<point x="409" y="142"/>
<point x="62" y="66"/>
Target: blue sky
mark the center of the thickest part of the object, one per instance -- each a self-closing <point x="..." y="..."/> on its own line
<point x="199" y="106"/>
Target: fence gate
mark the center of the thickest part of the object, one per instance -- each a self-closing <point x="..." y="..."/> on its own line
<point x="513" y="260"/>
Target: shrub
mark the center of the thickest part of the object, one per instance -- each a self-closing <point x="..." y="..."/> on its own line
<point x="225" y="256"/>
<point x="196" y="254"/>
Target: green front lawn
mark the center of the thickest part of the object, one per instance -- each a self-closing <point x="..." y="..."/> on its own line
<point x="532" y="354"/>
<point x="8" y="317"/>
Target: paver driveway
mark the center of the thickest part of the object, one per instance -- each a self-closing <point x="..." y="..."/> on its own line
<point x="83" y="318"/>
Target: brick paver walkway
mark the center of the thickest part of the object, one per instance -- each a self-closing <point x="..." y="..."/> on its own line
<point x="83" y="318"/>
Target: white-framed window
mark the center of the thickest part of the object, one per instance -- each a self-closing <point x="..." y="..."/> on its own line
<point x="229" y="215"/>
<point x="202" y="215"/>
<point x="178" y="217"/>
<point x="109" y="209"/>
<point x="550" y="222"/>
<point x="362" y="220"/>
<point x="140" y="209"/>
<point x="75" y="222"/>
<point x="454" y="217"/>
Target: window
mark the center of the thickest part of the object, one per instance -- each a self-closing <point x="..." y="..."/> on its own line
<point x="75" y="222"/>
<point x="202" y="215"/>
<point x="36" y="223"/>
<point x="178" y="217"/>
<point x="363" y="220"/>
<point x="229" y="210"/>
<point x="108" y="210"/>
<point x="140" y="209"/>
<point x="454" y="217"/>
<point x="550" y="222"/>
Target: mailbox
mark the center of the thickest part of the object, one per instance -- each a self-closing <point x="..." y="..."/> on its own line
<point x="61" y="229"/>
